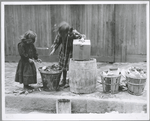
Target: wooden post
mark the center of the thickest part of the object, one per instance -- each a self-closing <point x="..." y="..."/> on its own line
<point x="63" y="106"/>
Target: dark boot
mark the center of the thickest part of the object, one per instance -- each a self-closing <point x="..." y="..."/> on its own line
<point x="67" y="83"/>
<point x="27" y="87"/>
<point x="63" y="82"/>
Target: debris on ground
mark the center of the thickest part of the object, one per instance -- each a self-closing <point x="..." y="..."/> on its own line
<point x="123" y="88"/>
<point x="106" y="96"/>
<point x="24" y="91"/>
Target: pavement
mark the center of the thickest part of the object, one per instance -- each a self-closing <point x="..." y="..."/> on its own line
<point x="98" y="102"/>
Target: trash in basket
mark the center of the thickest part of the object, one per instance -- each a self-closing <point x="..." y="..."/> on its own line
<point x="136" y="80"/>
<point x="50" y="77"/>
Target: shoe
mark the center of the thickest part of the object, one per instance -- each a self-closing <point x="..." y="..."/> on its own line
<point x="30" y="88"/>
<point x="63" y="82"/>
<point x="27" y="87"/>
<point x="66" y="85"/>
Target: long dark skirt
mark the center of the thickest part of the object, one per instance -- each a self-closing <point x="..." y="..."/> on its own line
<point x="26" y="73"/>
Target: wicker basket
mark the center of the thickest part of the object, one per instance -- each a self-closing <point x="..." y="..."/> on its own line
<point x="110" y="83"/>
<point x="50" y="80"/>
<point x="135" y="85"/>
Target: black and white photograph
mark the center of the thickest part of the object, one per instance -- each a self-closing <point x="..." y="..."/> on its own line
<point x="75" y="60"/>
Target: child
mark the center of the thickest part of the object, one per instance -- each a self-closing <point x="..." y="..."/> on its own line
<point x="65" y="37"/>
<point x="26" y="70"/>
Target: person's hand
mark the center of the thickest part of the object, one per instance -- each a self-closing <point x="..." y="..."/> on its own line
<point x="39" y="60"/>
<point x="31" y="60"/>
<point x="83" y="36"/>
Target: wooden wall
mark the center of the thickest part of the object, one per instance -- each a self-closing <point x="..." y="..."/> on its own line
<point x="130" y="32"/>
<point x="117" y="32"/>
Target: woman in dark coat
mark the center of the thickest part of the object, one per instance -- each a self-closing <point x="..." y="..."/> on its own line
<point x="65" y="37"/>
<point x="26" y="70"/>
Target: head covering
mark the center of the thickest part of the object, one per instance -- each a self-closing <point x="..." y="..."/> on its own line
<point x="29" y="35"/>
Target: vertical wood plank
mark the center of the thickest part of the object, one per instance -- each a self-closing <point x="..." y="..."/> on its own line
<point x="143" y="29"/>
<point x="96" y="21"/>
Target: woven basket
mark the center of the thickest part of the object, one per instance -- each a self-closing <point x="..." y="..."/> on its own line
<point x="135" y="85"/>
<point x="110" y="83"/>
<point x="50" y="80"/>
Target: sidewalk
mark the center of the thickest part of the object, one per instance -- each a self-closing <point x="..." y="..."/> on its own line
<point x="97" y="102"/>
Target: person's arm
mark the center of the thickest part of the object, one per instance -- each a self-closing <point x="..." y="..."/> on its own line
<point x="23" y="54"/>
<point x="77" y="35"/>
<point x="22" y="51"/>
<point x="35" y="54"/>
<point x="56" y="44"/>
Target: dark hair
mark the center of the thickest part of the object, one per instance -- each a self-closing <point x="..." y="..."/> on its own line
<point x="29" y="35"/>
<point x="63" y="27"/>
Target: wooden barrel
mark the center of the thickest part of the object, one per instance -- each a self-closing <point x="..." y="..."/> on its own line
<point x="82" y="76"/>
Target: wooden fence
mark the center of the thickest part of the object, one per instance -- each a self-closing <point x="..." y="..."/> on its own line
<point x="117" y="32"/>
<point x="130" y="32"/>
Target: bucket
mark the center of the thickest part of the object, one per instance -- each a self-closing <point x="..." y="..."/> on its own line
<point x="136" y="85"/>
<point x="50" y="80"/>
<point x="111" y="83"/>
<point x="63" y="106"/>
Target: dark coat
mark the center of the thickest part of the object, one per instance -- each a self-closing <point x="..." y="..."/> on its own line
<point x="26" y="71"/>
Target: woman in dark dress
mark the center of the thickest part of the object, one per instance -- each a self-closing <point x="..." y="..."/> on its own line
<point x="65" y="37"/>
<point x="26" y="70"/>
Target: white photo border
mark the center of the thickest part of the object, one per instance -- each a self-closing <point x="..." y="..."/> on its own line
<point x="63" y="116"/>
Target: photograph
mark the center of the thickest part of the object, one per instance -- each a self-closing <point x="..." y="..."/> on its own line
<point x="75" y="60"/>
